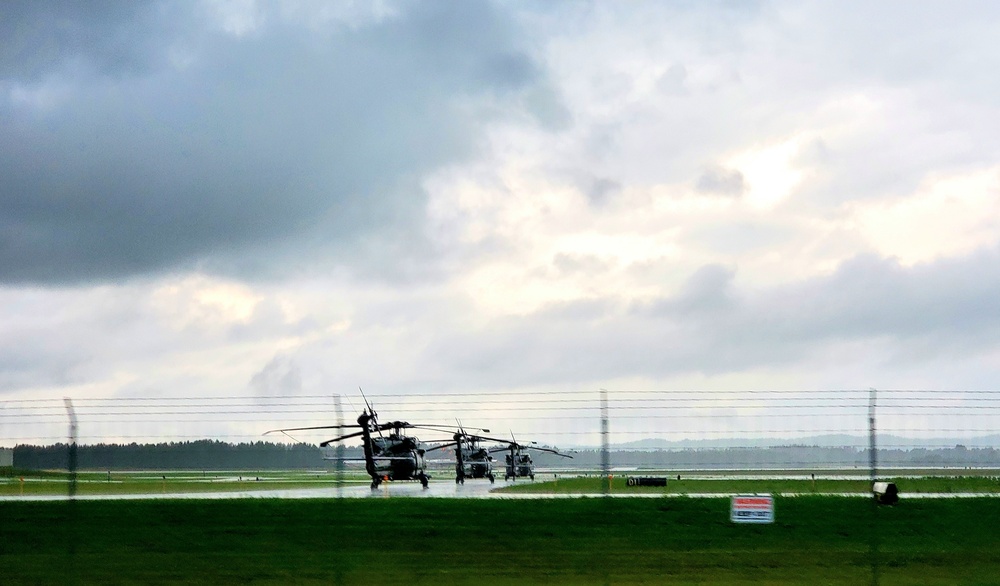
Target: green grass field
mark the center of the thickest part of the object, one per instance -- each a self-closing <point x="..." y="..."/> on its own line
<point x="815" y="540"/>
<point x="722" y="485"/>
<point x="50" y="483"/>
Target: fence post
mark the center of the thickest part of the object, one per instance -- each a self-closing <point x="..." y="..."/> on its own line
<point x="605" y="446"/>
<point x="72" y="522"/>
<point x="873" y="463"/>
<point x="339" y="450"/>
<point x="72" y="446"/>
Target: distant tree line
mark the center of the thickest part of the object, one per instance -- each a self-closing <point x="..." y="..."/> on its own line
<point x="217" y="455"/>
<point x="194" y="455"/>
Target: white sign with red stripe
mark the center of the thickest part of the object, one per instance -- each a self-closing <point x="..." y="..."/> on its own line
<point x="747" y="508"/>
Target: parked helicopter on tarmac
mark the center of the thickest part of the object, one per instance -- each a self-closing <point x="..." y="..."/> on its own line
<point x="518" y="461"/>
<point x="389" y="457"/>
<point x="472" y="460"/>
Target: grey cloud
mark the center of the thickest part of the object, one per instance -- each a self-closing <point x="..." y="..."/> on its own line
<point x="280" y="376"/>
<point x="32" y="363"/>
<point x="72" y="336"/>
<point x="709" y="288"/>
<point x="285" y="136"/>
<point x="936" y="311"/>
<point x="110" y="37"/>
<point x="545" y="105"/>
<point x="728" y="182"/>
<point x="54" y="338"/>
<point x="510" y="70"/>
<point x="911" y="86"/>
<point x="587" y="310"/>
<point x="740" y="237"/>
<point x="586" y="264"/>
<point x="671" y="81"/>
<point x="872" y="296"/>
<point x="602" y="190"/>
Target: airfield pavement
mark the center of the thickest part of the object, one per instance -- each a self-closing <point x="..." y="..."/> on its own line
<point x="436" y="489"/>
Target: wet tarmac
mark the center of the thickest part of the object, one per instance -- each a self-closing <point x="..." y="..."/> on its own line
<point x="442" y="489"/>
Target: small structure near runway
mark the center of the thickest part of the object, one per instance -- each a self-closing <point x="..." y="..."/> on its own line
<point x="646" y="481"/>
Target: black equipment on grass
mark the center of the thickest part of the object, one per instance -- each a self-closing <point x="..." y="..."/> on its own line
<point x="646" y="481"/>
<point x="885" y="493"/>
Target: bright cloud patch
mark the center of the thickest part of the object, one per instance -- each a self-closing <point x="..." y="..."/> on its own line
<point x="948" y="215"/>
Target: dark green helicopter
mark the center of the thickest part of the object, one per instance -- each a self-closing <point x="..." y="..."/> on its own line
<point x="389" y="457"/>
<point x="472" y="460"/>
<point x="518" y="462"/>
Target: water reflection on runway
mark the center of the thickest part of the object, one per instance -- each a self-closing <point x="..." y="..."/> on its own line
<point x="440" y="489"/>
<point x="355" y="490"/>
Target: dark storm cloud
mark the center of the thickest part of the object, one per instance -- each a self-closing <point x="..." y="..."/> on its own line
<point x="239" y="143"/>
<point x="113" y="37"/>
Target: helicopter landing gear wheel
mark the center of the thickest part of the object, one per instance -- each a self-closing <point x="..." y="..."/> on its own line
<point x="423" y="479"/>
<point x="376" y="482"/>
<point x="532" y="477"/>
<point x="491" y="477"/>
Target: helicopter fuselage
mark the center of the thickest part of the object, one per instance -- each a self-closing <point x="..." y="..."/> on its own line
<point x="397" y="458"/>
<point x="393" y="456"/>
<point x="471" y="460"/>
<point x="519" y="464"/>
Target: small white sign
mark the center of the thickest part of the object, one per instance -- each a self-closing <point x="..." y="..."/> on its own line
<point x="746" y="508"/>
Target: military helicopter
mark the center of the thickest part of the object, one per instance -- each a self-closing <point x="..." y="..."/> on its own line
<point x="472" y="460"/>
<point x="387" y="457"/>
<point x="518" y="461"/>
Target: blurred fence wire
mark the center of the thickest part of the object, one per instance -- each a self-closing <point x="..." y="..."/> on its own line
<point x="673" y="428"/>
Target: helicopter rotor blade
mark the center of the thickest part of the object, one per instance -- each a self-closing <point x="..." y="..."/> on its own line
<point x="311" y="428"/>
<point x="556" y="452"/>
<point x="489" y="439"/>
<point x="408" y="425"/>
<point x="432" y="427"/>
<point x="442" y="446"/>
<point x="343" y="437"/>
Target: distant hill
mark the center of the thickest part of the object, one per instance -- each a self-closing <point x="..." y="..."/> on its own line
<point x="830" y="441"/>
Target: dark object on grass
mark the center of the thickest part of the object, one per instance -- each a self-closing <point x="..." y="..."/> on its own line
<point x="646" y="481"/>
<point x="885" y="493"/>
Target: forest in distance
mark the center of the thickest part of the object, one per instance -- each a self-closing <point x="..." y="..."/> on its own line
<point x="218" y="455"/>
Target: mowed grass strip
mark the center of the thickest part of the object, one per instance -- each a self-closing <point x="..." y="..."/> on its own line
<point x="823" y="540"/>
<point x="35" y="483"/>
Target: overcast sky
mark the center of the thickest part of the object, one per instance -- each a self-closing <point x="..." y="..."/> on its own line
<point x="254" y="199"/>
